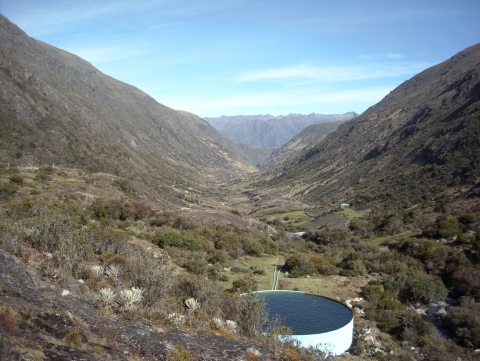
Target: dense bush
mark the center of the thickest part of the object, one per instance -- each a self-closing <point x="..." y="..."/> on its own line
<point x="405" y="325"/>
<point x="243" y="285"/>
<point x="43" y="177"/>
<point x="299" y="265"/>
<point x="327" y="236"/>
<point x="425" y="289"/>
<point x="352" y="265"/>
<point x="444" y="227"/>
<point x="465" y="280"/>
<point x="7" y="189"/>
<point x="465" y="323"/>
<point x="120" y="210"/>
<point x="16" y="178"/>
<point x="175" y="239"/>
<point x="324" y="264"/>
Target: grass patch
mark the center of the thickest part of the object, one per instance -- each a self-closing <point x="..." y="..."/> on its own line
<point x="377" y="241"/>
<point x="350" y="213"/>
<point x="291" y="218"/>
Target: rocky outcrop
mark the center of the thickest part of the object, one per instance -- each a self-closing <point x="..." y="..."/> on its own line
<point x="15" y="279"/>
<point x="56" y="327"/>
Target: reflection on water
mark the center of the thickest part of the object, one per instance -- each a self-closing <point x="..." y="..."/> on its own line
<point x="306" y="314"/>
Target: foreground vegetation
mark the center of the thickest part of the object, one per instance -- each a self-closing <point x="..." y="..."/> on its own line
<point x="134" y="260"/>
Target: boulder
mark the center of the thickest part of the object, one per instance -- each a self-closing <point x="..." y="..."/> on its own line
<point x="207" y="346"/>
<point x="421" y="312"/>
<point x="14" y="278"/>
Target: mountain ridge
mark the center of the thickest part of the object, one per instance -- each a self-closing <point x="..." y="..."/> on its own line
<point x="267" y="130"/>
<point x="311" y="134"/>
<point x="424" y="121"/>
<point x="58" y="108"/>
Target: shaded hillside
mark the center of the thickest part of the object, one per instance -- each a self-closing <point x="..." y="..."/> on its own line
<point x="57" y="108"/>
<point x="252" y="154"/>
<point x="421" y="138"/>
<point x="311" y="134"/>
<point x="267" y="130"/>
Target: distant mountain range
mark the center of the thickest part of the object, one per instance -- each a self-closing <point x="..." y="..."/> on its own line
<point x="267" y="130"/>
<point x="421" y="139"/>
<point x="57" y="108"/>
<point x="312" y="134"/>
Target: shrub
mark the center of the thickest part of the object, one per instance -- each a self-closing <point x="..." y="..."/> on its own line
<point x="120" y="210"/>
<point x="7" y="189"/>
<point x="124" y="184"/>
<point x="16" y="178"/>
<point x="465" y="323"/>
<point x="106" y="297"/>
<point x="299" y="265"/>
<point x="444" y="227"/>
<point x="403" y="324"/>
<point x="179" y="240"/>
<point x="251" y="314"/>
<point x="113" y="258"/>
<point x="257" y="270"/>
<point x="373" y="291"/>
<point x="183" y="223"/>
<point x="244" y="285"/>
<point x="324" y="264"/>
<point x="179" y="353"/>
<point x="327" y="236"/>
<point x="42" y="177"/>
<point x="159" y="221"/>
<point x="46" y="169"/>
<point x="240" y="269"/>
<point x="467" y="219"/>
<point x="388" y="304"/>
<point x="74" y="337"/>
<point x="192" y="304"/>
<point x="466" y="281"/>
<point x="448" y="228"/>
<point x="425" y="288"/>
<point x="353" y="266"/>
<point x="198" y="266"/>
<point x="227" y="326"/>
<point x="128" y="298"/>
<point x="8" y="318"/>
<point x="176" y="319"/>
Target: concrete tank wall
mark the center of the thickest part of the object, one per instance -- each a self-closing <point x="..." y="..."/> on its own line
<point x="334" y="342"/>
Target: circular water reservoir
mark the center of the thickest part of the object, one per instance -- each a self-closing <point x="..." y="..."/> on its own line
<point x="314" y="320"/>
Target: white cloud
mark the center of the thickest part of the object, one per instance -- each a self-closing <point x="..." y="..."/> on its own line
<point x="394" y="56"/>
<point x="103" y="54"/>
<point x="312" y="98"/>
<point x="332" y="73"/>
<point x="381" y="56"/>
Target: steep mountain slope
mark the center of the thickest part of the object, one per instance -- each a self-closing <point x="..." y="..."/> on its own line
<point x="420" y="139"/>
<point x="254" y="155"/>
<point x="267" y="130"/>
<point x="313" y="133"/>
<point x="57" y="108"/>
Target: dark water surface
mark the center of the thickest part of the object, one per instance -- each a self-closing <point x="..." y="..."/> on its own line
<point x="306" y="314"/>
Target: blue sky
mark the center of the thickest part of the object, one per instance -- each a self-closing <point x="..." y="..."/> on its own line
<point x="229" y="57"/>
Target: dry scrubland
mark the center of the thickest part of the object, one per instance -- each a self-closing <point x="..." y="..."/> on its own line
<point x="99" y="239"/>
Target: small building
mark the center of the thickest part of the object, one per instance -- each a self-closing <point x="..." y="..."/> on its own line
<point x="345" y="205"/>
